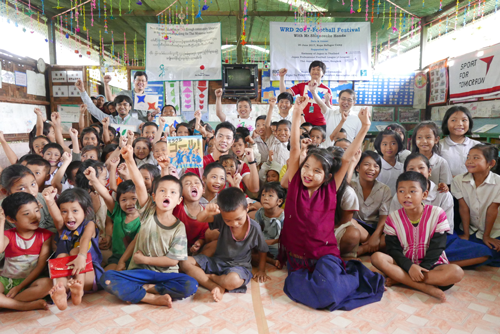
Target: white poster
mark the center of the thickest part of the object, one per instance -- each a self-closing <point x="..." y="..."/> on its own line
<point x="21" y="79"/>
<point x="58" y="76"/>
<point x="189" y="52"/>
<point x="146" y="102"/>
<point x="343" y="47"/>
<point x="73" y="76"/>
<point x="36" y="83"/>
<point x="60" y="91"/>
<point x="475" y="74"/>
<point x="18" y="118"/>
<point x="419" y="90"/>
<point x="69" y="113"/>
<point x="187" y="96"/>
<point x="172" y="96"/>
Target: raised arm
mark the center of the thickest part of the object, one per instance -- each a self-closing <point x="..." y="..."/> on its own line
<point x="81" y="120"/>
<point x="58" y="177"/>
<point x="105" y="130"/>
<point x="158" y="134"/>
<point x="218" y="105"/>
<point x="90" y="174"/>
<point x="90" y="105"/>
<point x="294" y="160"/>
<point x="140" y="186"/>
<point x="269" y="118"/>
<point x="8" y="150"/>
<point x="339" y="126"/>
<point x="282" y="72"/>
<point x="113" y="164"/>
<point x="107" y="90"/>
<point x="4" y="241"/>
<point x="312" y="88"/>
<point x="56" y="123"/>
<point x="39" y="122"/>
<point x="207" y="215"/>
<point x="251" y="181"/>
<point x="49" y="194"/>
<point x="73" y="133"/>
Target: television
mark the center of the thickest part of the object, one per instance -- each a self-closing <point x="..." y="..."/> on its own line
<point x="240" y="80"/>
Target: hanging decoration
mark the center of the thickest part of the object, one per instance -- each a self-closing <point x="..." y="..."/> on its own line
<point x="92" y="6"/>
<point x="352" y="10"/>
<point x="465" y="15"/>
<point x="412" y="28"/>
<point x="135" y="47"/>
<point x="383" y="16"/>
<point x="105" y="19"/>
<point x="205" y="6"/>
<point x="112" y="44"/>
<point x="192" y="11"/>
<point x="243" y="23"/>
<point x="439" y="28"/>
<point x="440" y="5"/>
<point x="394" y="28"/>
<point x="446" y="27"/>
<point x="373" y="10"/>
<point x="77" y="30"/>
<point x="119" y="7"/>
<point x="376" y="43"/>
<point x="456" y="15"/>
<point x="84" y="24"/>
<point x="366" y="12"/>
<point x="359" y="6"/>
<point x="389" y="18"/>
<point x="111" y="10"/>
<point x="423" y="3"/>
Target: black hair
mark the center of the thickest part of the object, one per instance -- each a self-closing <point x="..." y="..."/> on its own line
<point x="123" y="98"/>
<point x="318" y="63"/>
<point x="93" y="98"/>
<point x="32" y="135"/>
<point x="370" y="154"/>
<point x="261" y="117"/>
<point x="81" y="181"/>
<point x="229" y="157"/>
<point x="191" y="174"/>
<point x="225" y="125"/>
<point x="414" y="156"/>
<point x="413" y="176"/>
<point x="125" y="187"/>
<point x="320" y="129"/>
<point x="39" y="162"/>
<point x="284" y="122"/>
<point x="106" y="150"/>
<point x="343" y="139"/>
<point x="145" y="140"/>
<point x="186" y="125"/>
<point x="435" y="130"/>
<point x="71" y="167"/>
<point x="12" y="203"/>
<point x="275" y="123"/>
<point x="87" y="131"/>
<point x="329" y="162"/>
<point x="380" y="137"/>
<point x="53" y="145"/>
<point x="306" y="124"/>
<point x="277" y="188"/>
<point x="140" y="74"/>
<point x="154" y="172"/>
<point x="112" y="131"/>
<point x="169" y="105"/>
<point x="96" y="125"/>
<point x="82" y="197"/>
<point x="212" y="166"/>
<point x="451" y="111"/>
<point x="157" y="181"/>
<point x="28" y="157"/>
<point x="489" y="151"/>
<point x="242" y="131"/>
<point x="244" y="99"/>
<point x="398" y="128"/>
<point x="285" y="96"/>
<point x="89" y="148"/>
<point x="230" y="199"/>
<point x="348" y="91"/>
<point x="238" y="137"/>
<point x="149" y="124"/>
<point x="342" y="130"/>
<point x="12" y="174"/>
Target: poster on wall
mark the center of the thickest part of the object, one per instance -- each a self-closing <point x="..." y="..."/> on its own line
<point x="172" y="96"/>
<point x="189" y="52"/>
<point x="395" y="90"/>
<point x="409" y="115"/>
<point x="475" y="74"/>
<point x="383" y="114"/>
<point x="438" y="81"/>
<point x="419" y="90"/>
<point x="343" y="47"/>
<point x="187" y="96"/>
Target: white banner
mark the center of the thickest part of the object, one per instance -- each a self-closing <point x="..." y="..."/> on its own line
<point x="343" y="47"/>
<point x="475" y="74"/>
<point x="190" y="52"/>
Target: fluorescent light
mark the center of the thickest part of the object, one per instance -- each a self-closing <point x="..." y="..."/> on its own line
<point x="258" y="48"/>
<point x="227" y="46"/>
<point x="305" y="4"/>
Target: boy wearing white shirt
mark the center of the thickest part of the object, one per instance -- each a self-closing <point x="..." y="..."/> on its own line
<point x="244" y="109"/>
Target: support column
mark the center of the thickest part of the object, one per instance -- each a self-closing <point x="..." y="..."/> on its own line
<point x="423" y="41"/>
<point x="239" y="47"/>
<point x="52" y="42"/>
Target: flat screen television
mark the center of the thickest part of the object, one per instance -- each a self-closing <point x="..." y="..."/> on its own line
<point x="240" y="80"/>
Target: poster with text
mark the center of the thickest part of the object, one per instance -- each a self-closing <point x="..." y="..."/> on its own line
<point x="438" y="80"/>
<point x="343" y="47"/>
<point x="185" y="152"/>
<point x="183" y="52"/>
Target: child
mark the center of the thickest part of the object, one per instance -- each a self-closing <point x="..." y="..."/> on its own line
<point x="239" y="146"/>
<point x="274" y="127"/>
<point x="211" y="146"/>
<point x="401" y="131"/>
<point x="149" y="174"/>
<point x="374" y="199"/>
<point x="245" y="138"/>
<point x="90" y="153"/>
<point x="143" y="152"/>
<point x="460" y="252"/>
<point x="388" y="144"/>
<point x="343" y="143"/>
<point x="478" y="195"/>
<point x="416" y="239"/>
<point x="214" y="179"/>
<point x="52" y="152"/>
<point x="457" y="123"/>
<point x="308" y="242"/>
<point x="27" y="248"/>
<point x="270" y="171"/>
<point x="124" y="214"/>
<point x="149" y="130"/>
<point x="233" y="177"/>
<point x="89" y="136"/>
<point x="168" y="111"/>
<point x="41" y="169"/>
<point x="270" y="218"/>
<point x="341" y="134"/>
<point x="317" y="135"/>
<point x="230" y="268"/>
<point x="38" y="144"/>
<point x="259" y="134"/>
<point x="77" y="235"/>
<point x="425" y="140"/>
<point x="183" y="130"/>
<point x="278" y="141"/>
<point x="152" y="276"/>
<point x="67" y="170"/>
<point x="243" y="108"/>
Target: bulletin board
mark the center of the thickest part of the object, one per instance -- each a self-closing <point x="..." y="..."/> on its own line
<point x="384" y="90"/>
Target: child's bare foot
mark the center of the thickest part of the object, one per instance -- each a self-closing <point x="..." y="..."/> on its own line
<point x="161" y="300"/>
<point x="39" y="304"/>
<point x="435" y="292"/>
<point x="59" y="296"/>
<point x="390" y="282"/>
<point x="150" y="288"/>
<point x="217" y="293"/>
<point x="76" y="288"/>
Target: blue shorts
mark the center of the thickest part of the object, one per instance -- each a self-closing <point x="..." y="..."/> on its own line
<point x="213" y="265"/>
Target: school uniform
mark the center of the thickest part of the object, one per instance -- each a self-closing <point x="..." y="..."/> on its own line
<point x="352" y="125"/>
<point x="375" y="205"/>
<point x="456" y="154"/>
<point x="441" y="172"/>
<point x="277" y="117"/>
<point x="263" y="149"/>
<point x="349" y="202"/>
<point x="280" y="150"/>
<point x="389" y="174"/>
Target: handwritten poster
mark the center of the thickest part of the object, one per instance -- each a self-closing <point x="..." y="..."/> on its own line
<point x="123" y="128"/>
<point x="69" y="113"/>
<point x="8" y="77"/>
<point x="438" y="79"/>
<point x="172" y="96"/>
<point x="18" y="118"/>
<point x="154" y="88"/>
<point x="183" y="52"/>
<point x="185" y="152"/>
<point x="187" y="95"/>
<point x="21" y="79"/>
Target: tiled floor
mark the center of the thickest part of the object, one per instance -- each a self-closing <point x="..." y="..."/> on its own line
<point x="473" y="306"/>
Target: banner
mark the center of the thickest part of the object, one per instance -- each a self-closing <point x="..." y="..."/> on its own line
<point x="185" y="152"/>
<point x="183" y="52"/>
<point x="438" y="79"/>
<point x="475" y="74"/>
<point x="343" y="47"/>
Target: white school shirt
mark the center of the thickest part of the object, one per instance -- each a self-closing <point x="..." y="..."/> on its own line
<point x="238" y="122"/>
<point x="352" y="125"/>
<point x="456" y="154"/>
<point x="277" y="117"/>
<point x="280" y="150"/>
<point x="375" y="205"/>
<point x="349" y="201"/>
<point x="389" y="175"/>
<point x="478" y="200"/>
<point x="434" y="198"/>
<point x="440" y="172"/>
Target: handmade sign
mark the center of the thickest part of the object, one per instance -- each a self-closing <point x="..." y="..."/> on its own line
<point x="69" y="113"/>
<point x="169" y="121"/>
<point x="122" y="128"/>
<point x="145" y="102"/>
<point x="343" y="47"/>
<point x="438" y="79"/>
<point x="73" y="76"/>
<point x="18" y="118"/>
<point x="185" y="152"/>
<point x="154" y="88"/>
<point x="183" y="52"/>
<point x="187" y="96"/>
<point x="172" y="96"/>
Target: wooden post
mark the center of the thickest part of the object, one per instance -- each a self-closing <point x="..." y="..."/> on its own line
<point x="423" y="42"/>
<point x="239" y="47"/>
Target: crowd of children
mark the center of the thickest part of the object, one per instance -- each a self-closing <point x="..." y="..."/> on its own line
<point x="291" y="188"/>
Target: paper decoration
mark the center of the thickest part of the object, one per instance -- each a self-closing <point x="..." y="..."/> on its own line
<point x="122" y="128"/>
<point x="69" y="113"/>
<point x="187" y="94"/>
<point x="73" y="76"/>
<point x="172" y="96"/>
<point x="419" y="90"/>
<point x="438" y="80"/>
<point x="18" y="118"/>
<point x="8" y="77"/>
<point x="201" y="95"/>
<point x="486" y="128"/>
<point x="169" y="121"/>
<point x="36" y="83"/>
<point x="60" y="91"/>
<point x="336" y="87"/>
<point x="73" y="91"/>
<point x="145" y="102"/>
<point x="59" y="76"/>
<point x="185" y="152"/>
<point x="21" y="79"/>
<point x="397" y="90"/>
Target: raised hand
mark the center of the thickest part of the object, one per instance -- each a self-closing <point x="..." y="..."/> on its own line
<point x="49" y="194"/>
<point x="249" y="154"/>
<point x="66" y="157"/>
<point x="83" y="108"/>
<point x="218" y="93"/>
<point x="107" y="79"/>
<point x="38" y="112"/>
<point x="272" y="101"/>
<point x="282" y="72"/>
<point x="105" y="122"/>
<point x="364" y="116"/>
<point x="55" y="118"/>
<point x="128" y="153"/>
<point x="300" y="103"/>
<point x="90" y="174"/>
<point x="113" y="163"/>
<point x="73" y="133"/>
<point x="2" y="138"/>
<point x="271" y="155"/>
<point x="163" y="161"/>
<point x="212" y="209"/>
<point x="312" y="86"/>
<point x="79" y="85"/>
<point x="123" y="172"/>
<point x="123" y="141"/>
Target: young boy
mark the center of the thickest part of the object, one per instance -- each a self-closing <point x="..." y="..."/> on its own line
<point x="27" y="248"/>
<point x="230" y="268"/>
<point x="278" y="143"/>
<point x="418" y="263"/>
<point x="149" y="130"/>
<point x="243" y="108"/>
<point x="41" y="169"/>
<point x="153" y="274"/>
<point x="317" y="135"/>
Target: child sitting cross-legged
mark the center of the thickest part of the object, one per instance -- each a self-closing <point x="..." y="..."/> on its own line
<point x="230" y="267"/>
<point x="416" y="240"/>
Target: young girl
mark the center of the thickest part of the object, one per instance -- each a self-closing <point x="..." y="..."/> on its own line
<point x="52" y="152"/>
<point x="233" y="177"/>
<point x="149" y="174"/>
<point x="374" y="199"/>
<point x="77" y="235"/>
<point x="143" y="152"/>
<point x="90" y="153"/>
<point x="214" y="178"/>
<point x="308" y="242"/>
<point x="461" y="252"/>
<point x="401" y="131"/>
<point x="425" y="140"/>
<point x="89" y="136"/>
<point x="388" y="144"/>
<point x="416" y="238"/>
<point x="457" y="123"/>
<point x="183" y="130"/>
<point x="478" y="195"/>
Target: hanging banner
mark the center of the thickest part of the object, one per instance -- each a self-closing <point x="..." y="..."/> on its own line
<point x="438" y="79"/>
<point x="343" y="47"/>
<point x="419" y="90"/>
<point x="183" y="52"/>
<point x="475" y="74"/>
